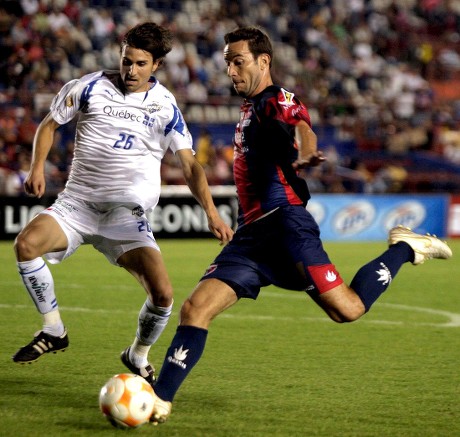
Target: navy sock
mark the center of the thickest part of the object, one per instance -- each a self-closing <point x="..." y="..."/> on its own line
<point x="373" y="279"/>
<point x="184" y="352"/>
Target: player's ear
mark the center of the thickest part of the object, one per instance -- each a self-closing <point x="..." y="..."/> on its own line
<point x="264" y="60"/>
<point x="156" y="64"/>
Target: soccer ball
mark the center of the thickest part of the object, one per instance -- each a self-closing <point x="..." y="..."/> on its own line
<point x="126" y="400"/>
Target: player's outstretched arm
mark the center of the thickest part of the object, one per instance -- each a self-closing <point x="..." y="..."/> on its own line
<point x="35" y="184"/>
<point x="309" y="155"/>
<point x="195" y="178"/>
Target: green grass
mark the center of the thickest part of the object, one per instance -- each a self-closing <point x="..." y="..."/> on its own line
<point x="273" y="367"/>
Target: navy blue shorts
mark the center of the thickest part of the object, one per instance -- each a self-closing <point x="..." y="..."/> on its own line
<point x="283" y="249"/>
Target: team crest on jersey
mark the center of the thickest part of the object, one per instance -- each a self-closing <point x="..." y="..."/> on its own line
<point x="288" y="98"/>
<point x="69" y="101"/>
<point x="138" y="211"/>
<point x="154" y="107"/>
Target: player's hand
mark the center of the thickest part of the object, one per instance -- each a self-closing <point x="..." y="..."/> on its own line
<point x="220" y="229"/>
<point x="35" y="184"/>
<point x="313" y="160"/>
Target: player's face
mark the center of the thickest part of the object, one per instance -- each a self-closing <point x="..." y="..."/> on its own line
<point x="249" y="76"/>
<point x="136" y="67"/>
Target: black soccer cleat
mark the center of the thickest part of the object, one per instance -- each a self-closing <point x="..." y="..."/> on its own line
<point x="147" y="372"/>
<point x="41" y="344"/>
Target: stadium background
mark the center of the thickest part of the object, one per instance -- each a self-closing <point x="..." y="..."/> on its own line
<point x="278" y="367"/>
<point x="381" y="79"/>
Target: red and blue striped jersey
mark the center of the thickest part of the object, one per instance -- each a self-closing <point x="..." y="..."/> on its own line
<point x="264" y="150"/>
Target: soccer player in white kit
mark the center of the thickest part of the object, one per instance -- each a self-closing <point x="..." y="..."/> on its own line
<point x="127" y="121"/>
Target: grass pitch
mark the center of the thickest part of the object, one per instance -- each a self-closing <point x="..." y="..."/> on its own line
<point x="273" y="367"/>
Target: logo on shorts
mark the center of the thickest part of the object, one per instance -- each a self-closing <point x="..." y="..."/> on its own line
<point x="138" y="211"/>
<point x="330" y="276"/>
<point x="212" y="268"/>
<point x="62" y="208"/>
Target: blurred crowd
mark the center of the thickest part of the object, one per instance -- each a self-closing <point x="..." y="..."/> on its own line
<point x="365" y="68"/>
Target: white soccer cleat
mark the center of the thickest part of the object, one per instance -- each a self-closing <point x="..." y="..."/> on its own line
<point x="424" y="246"/>
<point x="161" y="410"/>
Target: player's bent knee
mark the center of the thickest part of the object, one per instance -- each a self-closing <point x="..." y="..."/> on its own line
<point x="341" y="304"/>
<point x="188" y="310"/>
<point x="345" y="315"/>
<point x="24" y="249"/>
<point x="193" y="315"/>
<point x="351" y="314"/>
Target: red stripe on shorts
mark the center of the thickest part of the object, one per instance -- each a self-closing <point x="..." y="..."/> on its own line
<point x="325" y="277"/>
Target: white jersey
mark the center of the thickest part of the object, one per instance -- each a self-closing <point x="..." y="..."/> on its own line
<point x="120" y="138"/>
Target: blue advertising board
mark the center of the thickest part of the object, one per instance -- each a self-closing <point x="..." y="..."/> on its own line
<point x="351" y="217"/>
<point x="344" y="217"/>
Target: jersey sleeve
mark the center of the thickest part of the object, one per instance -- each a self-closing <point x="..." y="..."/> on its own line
<point x="65" y="104"/>
<point x="176" y="131"/>
<point x="287" y="109"/>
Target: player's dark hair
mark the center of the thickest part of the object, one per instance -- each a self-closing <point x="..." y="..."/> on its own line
<point x="150" y="37"/>
<point x="258" y="41"/>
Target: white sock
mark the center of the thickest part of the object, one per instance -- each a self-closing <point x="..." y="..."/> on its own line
<point x="138" y="353"/>
<point x="52" y="323"/>
<point x="152" y="322"/>
<point x="39" y="283"/>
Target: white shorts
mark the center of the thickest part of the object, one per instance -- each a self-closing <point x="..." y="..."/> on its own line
<point x="112" y="228"/>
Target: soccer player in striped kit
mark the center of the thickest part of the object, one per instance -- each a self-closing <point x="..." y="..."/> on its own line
<point x="277" y="240"/>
